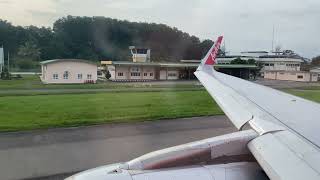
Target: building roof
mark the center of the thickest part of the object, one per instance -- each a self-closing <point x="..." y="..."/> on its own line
<point x="315" y="70"/>
<point x="161" y="64"/>
<point x="177" y="65"/>
<point x="278" y="59"/>
<point x="254" y="52"/>
<point x="285" y="71"/>
<point x="281" y="56"/>
<point x="69" y="60"/>
<point x="235" y="66"/>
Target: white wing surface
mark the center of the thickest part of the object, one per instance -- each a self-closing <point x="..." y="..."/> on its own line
<point x="289" y="141"/>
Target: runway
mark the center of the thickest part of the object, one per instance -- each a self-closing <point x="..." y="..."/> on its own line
<point x="57" y="153"/>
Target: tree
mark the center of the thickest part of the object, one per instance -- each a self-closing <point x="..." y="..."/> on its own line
<point x="108" y="75"/>
<point x="278" y="48"/>
<point x="238" y="61"/>
<point x="97" y="38"/>
<point x="315" y="61"/>
<point x="251" y="61"/>
<point x="26" y="64"/>
<point x="29" y="51"/>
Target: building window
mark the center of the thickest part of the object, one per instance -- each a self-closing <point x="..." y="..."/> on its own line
<point x="66" y="75"/>
<point x="55" y="76"/>
<point x="89" y="76"/>
<point x="282" y="73"/>
<point x="79" y="76"/>
<point x="172" y="74"/>
<point x="151" y="74"/>
<point x="271" y="64"/>
<point x="145" y="74"/>
<point x="135" y="69"/>
<point x="120" y="73"/>
<point x="135" y="74"/>
<point x="300" y="77"/>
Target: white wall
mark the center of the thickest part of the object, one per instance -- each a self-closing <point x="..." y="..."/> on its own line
<point x="149" y="72"/>
<point x="124" y="70"/>
<point x="281" y="66"/>
<point x="288" y="76"/>
<point x="163" y="74"/>
<point x="137" y="70"/>
<point x="171" y="73"/>
<point x="314" y="77"/>
<point x="73" y="67"/>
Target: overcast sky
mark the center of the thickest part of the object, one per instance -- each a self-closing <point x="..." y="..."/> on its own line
<point x="246" y="24"/>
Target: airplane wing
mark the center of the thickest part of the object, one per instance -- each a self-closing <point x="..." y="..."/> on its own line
<point x="278" y="129"/>
<point x="288" y="126"/>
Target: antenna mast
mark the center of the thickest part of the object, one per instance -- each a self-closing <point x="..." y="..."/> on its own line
<point x="272" y="48"/>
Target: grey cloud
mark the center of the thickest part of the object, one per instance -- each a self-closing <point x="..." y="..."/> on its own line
<point x="5" y="2"/>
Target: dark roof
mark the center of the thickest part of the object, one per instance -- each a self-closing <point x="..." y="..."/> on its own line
<point x="161" y="64"/>
<point x="169" y="64"/>
<point x="62" y="60"/>
<point x="281" y="56"/>
<point x="254" y="52"/>
<point x="235" y="66"/>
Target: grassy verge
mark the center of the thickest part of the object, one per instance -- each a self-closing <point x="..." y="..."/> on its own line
<point x="313" y="95"/>
<point x="35" y="112"/>
<point x="32" y="82"/>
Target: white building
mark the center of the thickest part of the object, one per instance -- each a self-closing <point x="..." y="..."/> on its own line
<point x="268" y="62"/>
<point x="279" y="63"/>
<point x="275" y="66"/>
<point x="301" y="76"/>
<point x="68" y="71"/>
<point x="315" y="72"/>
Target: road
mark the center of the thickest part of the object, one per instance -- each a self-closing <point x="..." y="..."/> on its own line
<point x="56" y="153"/>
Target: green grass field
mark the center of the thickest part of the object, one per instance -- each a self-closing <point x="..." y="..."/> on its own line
<point x="313" y="95"/>
<point x="47" y="111"/>
<point x="125" y="102"/>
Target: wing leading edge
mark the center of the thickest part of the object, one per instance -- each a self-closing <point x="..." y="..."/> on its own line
<point x="288" y="121"/>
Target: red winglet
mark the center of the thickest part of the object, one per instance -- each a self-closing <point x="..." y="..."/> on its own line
<point x="213" y="54"/>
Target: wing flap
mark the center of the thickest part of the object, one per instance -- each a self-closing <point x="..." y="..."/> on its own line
<point x="286" y="158"/>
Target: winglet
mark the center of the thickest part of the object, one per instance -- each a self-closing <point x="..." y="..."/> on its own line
<point x="210" y="58"/>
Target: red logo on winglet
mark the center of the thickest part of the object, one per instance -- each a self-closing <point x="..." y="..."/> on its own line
<point x="213" y="54"/>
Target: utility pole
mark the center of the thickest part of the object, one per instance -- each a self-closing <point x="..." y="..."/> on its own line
<point x="1" y="58"/>
<point x="8" y="62"/>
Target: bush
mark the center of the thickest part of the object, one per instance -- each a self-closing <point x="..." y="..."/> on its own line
<point x="5" y="75"/>
<point x="26" y="64"/>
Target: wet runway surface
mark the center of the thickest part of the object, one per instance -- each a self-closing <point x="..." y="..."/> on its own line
<point x="57" y="153"/>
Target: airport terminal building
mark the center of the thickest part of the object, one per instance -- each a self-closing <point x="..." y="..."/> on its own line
<point x="142" y="69"/>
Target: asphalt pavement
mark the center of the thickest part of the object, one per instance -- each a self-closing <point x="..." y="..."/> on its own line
<point x="56" y="153"/>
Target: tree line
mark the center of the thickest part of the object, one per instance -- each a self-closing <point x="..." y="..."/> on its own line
<point x="96" y="38"/>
